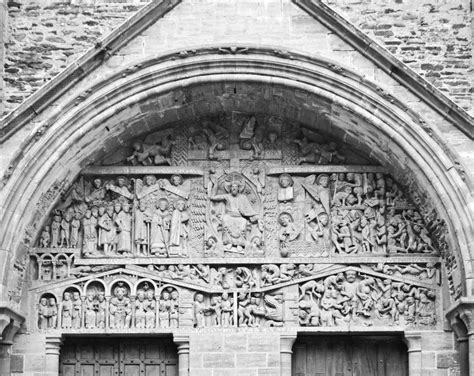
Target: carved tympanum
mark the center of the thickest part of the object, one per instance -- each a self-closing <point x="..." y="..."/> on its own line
<point x="199" y="225"/>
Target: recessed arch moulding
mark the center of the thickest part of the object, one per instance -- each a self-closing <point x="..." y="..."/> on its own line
<point x="320" y="99"/>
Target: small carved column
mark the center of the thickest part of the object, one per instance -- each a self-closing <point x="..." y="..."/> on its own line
<point x="182" y="341"/>
<point x="53" y="347"/>
<point x="286" y="351"/>
<point x="413" y="342"/>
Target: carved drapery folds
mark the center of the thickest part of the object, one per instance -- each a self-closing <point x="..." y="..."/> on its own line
<point x="239" y="220"/>
<point x="273" y="295"/>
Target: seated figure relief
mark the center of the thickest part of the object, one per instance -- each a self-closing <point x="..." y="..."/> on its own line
<point x="229" y="214"/>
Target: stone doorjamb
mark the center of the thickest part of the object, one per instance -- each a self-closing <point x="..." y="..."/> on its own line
<point x="53" y="350"/>
<point x="461" y="319"/>
<point x="413" y="342"/>
<point x="182" y="342"/>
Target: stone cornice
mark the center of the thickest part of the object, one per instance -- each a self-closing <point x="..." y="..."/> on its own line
<point x="389" y="63"/>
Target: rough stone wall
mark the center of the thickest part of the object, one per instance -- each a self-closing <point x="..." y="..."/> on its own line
<point x="433" y="37"/>
<point x="44" y="36"/>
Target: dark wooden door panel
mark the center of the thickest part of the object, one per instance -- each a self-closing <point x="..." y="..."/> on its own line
<point x="119" y="357"/>
<point x="349" y="356"/>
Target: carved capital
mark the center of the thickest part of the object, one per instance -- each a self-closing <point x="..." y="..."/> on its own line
<point x="461" y="317"/>
<point x="286" y="343"/>
<point x="413" y="341"/>
<point x="10" y="323"/>
<point x="53" y="345"/>
<point x="182" y="341"/>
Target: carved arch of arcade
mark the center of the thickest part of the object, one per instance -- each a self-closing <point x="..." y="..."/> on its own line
<point x="227" y="199"/>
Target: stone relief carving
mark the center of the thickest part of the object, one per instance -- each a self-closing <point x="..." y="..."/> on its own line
<point x="271" y="295"/>
<point x="176" y="205"/>
<point x="365" y="300"/>
<point x="249" y="213"/>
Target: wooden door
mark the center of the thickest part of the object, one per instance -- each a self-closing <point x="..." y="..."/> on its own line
<point x="119" y="357"/>
<point x="349" y="356"/>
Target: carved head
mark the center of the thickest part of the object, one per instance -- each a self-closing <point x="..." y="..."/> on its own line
<point x="97" y="183"/>
<point x="165" y="295"/>
<point x="174" y="295"/>
<point x="46" y="229"/>
<point x="76" y="295"/>
<point x="90" y="296"/>
<point x="121" y="181"/>
<point x="141" y="295"/>
<point x="101" y="296"/>
<point x="323" y="219"/>
<point x="110" y="210"/>
<point x="149" y="180"/>
<point x="52" y="302"/>
<point x="234" y="188"/>
<point x="350" y="176"/>
<point x="120" y="291"/>
<point x="126" y="207"/>
<point x="67" y="296"/>
<point x="272" y="137"/>
<point x="323" y="180"/>
<point x="117" y="207"/>
<point x="225" y="296"/>
<point x="351" y="276"/>
<point x="88" y="214"/>
<point x="162" y="204"/>
<point x="95" y="211"/>
<point x="176" y="180"/>
<point x="43" y="301"/>
<point x="180" y="205"/>
<point x="211" y="241"/>
<point x="150" y="295"/>
<point x="285" y="180"/>
<point x="285" y="219"/>
<point x="199" y="298"/>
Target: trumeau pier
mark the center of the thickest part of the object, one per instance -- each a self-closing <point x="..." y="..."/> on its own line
<point x="193" y="197"/>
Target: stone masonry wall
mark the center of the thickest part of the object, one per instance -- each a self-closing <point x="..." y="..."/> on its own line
<point x="235" y="354"/>
<point x="432" y="37"/>
<point x="44" y="36"/>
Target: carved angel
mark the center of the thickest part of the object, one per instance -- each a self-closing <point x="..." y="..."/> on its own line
<point x="147" y="155"/>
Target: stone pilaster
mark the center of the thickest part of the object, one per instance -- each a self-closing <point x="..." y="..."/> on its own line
<point x="182" y="341"/>
<point x="413" y="342"/>
<point x="286" y="351"/>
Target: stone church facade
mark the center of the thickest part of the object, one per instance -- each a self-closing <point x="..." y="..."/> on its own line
<point x="236" y="188"/>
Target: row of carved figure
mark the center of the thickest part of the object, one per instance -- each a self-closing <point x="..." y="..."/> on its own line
<point x="349" y="297"/>
<point x="352" y="213"/>
<point x="252" y="310"/>
<point x="212" y="138"/>
<point x="120" y="311"/>
<point x="113" y="228"/>
<point x="356" y="212"/>
<point x="227" y="277"/>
